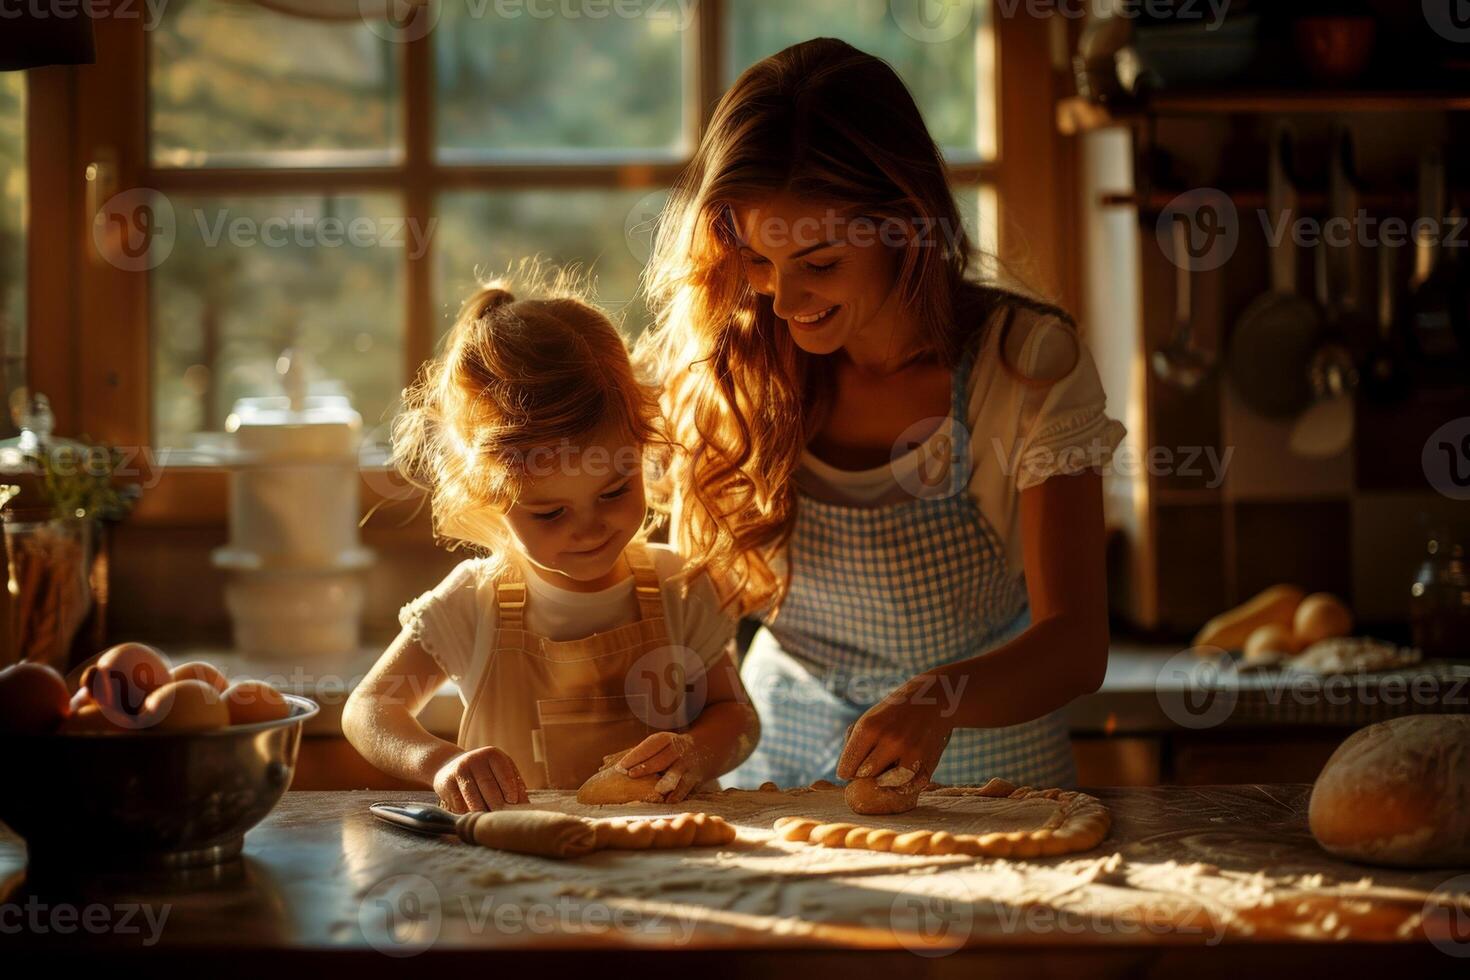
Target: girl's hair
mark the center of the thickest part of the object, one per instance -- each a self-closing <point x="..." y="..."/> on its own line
<point x="829" y="124"/>
<point x="514" y="376"/>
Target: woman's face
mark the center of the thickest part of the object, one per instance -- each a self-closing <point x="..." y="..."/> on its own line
<point x="582" y="503"/>
<point x="831" y="279"/>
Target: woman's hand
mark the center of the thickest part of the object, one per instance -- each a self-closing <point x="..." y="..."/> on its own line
<point x="670" y="753"/>
<point x="480" y="779"/>
<point x="909" y="728"/>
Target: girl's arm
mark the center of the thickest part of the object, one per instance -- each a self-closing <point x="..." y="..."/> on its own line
<point x="1063" y="654"/>
<point x="722" y="737"/>
<point x="380" y="719"/>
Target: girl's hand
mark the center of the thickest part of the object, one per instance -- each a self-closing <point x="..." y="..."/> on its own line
<point x="671" y="754"/>
<point x="480" y="779"/>
<point x="908" y="728"/>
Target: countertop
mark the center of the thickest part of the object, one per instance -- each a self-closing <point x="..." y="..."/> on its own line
<point x="1149" y="688"/>
<point x="1200" y="878"/>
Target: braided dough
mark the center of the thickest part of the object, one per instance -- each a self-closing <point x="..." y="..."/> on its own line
<point x="685" y="830"/>
<point x="561" y="835"/>
<point x="1081" y="823"/>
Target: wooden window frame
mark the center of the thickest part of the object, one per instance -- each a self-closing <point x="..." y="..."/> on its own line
<point x="88" y="323"/>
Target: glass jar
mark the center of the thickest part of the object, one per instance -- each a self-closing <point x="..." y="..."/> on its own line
<point x="1439" y="599"/>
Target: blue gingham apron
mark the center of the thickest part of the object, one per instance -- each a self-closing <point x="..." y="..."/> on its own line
<point x="879" y="594"/>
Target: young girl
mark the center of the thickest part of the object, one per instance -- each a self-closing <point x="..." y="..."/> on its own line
<point x="898" y="465"/>
<point x="575" y="641"/>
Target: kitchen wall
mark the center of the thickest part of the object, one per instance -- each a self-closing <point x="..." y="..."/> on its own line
<point x="1353" y="524"/>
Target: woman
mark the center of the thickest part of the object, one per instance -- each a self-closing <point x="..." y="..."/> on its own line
<point x="894" y="466"/>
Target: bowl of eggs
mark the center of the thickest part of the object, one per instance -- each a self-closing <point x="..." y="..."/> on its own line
<point x="144" y="764"/>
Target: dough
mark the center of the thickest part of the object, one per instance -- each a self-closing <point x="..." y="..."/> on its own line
<point x="1078" y="823"/>
<point x="685" y="830"/>
<point x="895" y="791"/>
<point x="561" y="835"/>
<point x="611" y="786"/>
<point x="543" y="832"/>
<point x="1398" y="793"/>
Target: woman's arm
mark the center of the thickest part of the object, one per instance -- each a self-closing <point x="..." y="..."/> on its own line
<point x="1063" y="654"/>
<point x="380" y="719"/>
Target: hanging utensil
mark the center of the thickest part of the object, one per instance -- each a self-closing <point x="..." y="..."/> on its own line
<point x="1325" y="427"/>
<point x="1180" y="363"/>
<point x="1272" y="344"/>
<point x="1384" y="375"/>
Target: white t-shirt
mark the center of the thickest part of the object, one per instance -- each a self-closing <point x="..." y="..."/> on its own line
<point x="1050" y="420"/>
<point x="448" y="620"/>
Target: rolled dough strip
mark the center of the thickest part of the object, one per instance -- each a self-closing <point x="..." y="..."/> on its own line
<point x="616" y="835"/>
<point x="543" y="832"/>
<point x="684" y="830"/>
<point x="795" y="828"/>
<point x="830" y="834"/>
<point x="678" y="832"/>
<point x="1080" y="824"/>
<point x="713" y="831"/>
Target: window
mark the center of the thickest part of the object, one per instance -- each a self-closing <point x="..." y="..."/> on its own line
<point x="337" y="185"/>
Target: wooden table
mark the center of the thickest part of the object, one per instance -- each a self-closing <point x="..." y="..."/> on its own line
<point x="321" y="881"/>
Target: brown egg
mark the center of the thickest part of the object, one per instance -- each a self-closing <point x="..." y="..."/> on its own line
<point x="90" y="719"/>
<point x="252" y="701"/>
<point x="33" y="699"/>
<point x="82" y="697"/>
<point x="184" y="706"/>
<point x="122" y="679"/>
<point x="198" y="670"/>
<point x="1321" y="616"/>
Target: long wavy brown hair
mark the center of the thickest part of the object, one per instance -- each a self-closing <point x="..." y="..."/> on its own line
<point x="826" y="123"/>
<point x="516" y="375"/>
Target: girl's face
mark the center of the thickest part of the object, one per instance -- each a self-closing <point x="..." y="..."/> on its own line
<point x="581" y="505"/>
<point x="831" y="279"/>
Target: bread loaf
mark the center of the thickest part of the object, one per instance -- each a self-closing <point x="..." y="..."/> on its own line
<point x="1398" y="793"/>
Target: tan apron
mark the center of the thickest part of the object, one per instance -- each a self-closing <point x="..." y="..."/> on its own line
<point x="557" y="707"/>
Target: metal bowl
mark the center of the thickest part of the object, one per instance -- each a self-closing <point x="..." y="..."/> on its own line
<point x="148" y="799"/>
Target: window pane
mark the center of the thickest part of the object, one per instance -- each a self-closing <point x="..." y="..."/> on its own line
<point x="236" y="84"/>
<point x="945" y="53"/>
<point x="605" y="233"/>
<point x="512" y="82"/>
<point x="13" y="229"/>
<point x="249" y="277"/>
<point x="979" y="209"/>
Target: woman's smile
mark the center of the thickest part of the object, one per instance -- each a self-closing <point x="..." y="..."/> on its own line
<point x="816" y="319"/>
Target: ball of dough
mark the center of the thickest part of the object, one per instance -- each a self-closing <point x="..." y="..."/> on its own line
<point x="868" y="795"/>
<point x="1398" y="793"/>
<point x="611" y="786"/>
<point x="1321" y="616"/>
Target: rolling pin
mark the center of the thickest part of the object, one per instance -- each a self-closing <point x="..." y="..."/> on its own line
<point x="558" y="835"/>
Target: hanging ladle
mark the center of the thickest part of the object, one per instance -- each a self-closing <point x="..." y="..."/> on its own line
<point x="1180" y="363"/>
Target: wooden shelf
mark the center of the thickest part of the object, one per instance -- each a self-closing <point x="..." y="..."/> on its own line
<point x="1077" y="115"/>
<point x="1311" y="202"/>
